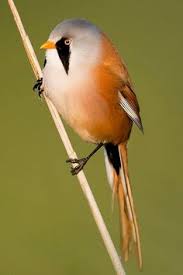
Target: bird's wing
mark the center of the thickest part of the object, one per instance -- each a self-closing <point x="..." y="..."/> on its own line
<point x="116" y="71"/>
<point x="128" y="101"/>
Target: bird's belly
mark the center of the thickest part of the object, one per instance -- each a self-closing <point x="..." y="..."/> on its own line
<point x="93" y="117"/>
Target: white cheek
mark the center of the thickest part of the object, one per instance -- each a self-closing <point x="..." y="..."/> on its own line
<point x="54" y="75"/>
<point x="53" y="58"/>
<point x="54" y="71"/>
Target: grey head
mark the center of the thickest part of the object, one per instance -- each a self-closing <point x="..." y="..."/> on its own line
<point x="77" y="42"/>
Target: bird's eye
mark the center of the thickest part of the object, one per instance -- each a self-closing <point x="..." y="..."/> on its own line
<point x="67" y="42"/>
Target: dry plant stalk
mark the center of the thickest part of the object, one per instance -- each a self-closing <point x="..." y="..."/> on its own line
<point x="65" y="139"/>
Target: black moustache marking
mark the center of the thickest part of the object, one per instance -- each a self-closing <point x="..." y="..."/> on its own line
<point x="45" y="61"/>
<point x="64" y="53"/>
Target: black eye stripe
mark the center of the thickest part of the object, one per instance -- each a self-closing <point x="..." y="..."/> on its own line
<point x="64" y="52"/>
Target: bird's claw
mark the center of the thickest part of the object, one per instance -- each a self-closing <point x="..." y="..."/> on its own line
<point x="38" y="87"/>
<point x="81" y="163"/>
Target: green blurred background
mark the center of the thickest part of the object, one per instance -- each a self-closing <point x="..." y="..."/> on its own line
<point x="45" y="224"/>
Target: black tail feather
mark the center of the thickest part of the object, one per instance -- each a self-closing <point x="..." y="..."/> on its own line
<point x="113" y="155"/>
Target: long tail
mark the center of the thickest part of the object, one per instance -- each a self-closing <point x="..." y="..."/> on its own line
<point x="117" y="171"/>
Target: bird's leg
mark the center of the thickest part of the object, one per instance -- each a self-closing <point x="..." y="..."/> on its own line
<point x="81" y="162"/>
<point x="38" y="87"/>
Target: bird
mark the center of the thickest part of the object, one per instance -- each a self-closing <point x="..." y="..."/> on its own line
<point x="89" y="84"/>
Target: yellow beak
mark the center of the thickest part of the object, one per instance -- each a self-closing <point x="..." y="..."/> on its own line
<point x="48" y="45"/>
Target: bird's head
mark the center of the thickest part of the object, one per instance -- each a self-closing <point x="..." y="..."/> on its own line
<point x="74" y="43"/>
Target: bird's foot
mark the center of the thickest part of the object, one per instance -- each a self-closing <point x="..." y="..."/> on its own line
<point x="38" y="87"/>
<point x="81" y="163"/>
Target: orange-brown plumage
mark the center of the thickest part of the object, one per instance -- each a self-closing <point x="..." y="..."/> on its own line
<point x="111" y="78"/>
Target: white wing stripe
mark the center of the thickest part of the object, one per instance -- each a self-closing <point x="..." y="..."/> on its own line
<point x="129" y="110"/>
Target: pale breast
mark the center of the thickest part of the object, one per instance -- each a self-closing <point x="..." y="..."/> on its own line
<point x="74" y="95"/>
